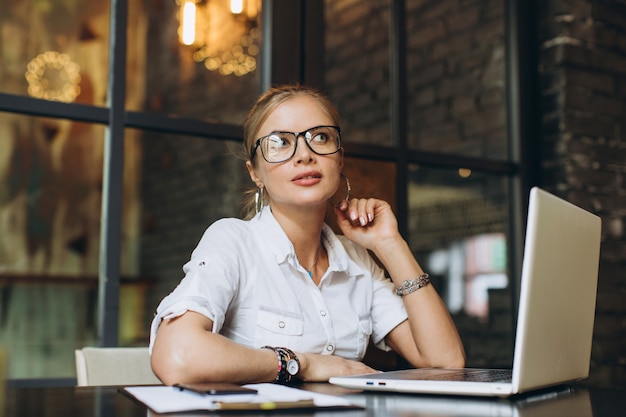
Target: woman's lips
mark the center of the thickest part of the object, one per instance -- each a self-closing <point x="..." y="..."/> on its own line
<point x="307" y="178"/>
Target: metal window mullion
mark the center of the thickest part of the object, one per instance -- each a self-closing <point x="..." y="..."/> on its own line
<point x="267" y="11"/>
<point x="398" y="107"/>
<point x="110" y="236"/>
<point x="523" y="124"/>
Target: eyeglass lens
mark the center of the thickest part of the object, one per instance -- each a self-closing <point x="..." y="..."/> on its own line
<point x="281" y="146"/>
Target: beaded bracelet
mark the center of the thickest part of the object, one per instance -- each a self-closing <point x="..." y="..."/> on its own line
<point x="408" y="287"/>
<point x="285" y="358"/>
<point x="282" y="364"/>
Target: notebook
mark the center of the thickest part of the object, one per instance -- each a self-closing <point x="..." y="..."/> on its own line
<point x="555" y="318"/>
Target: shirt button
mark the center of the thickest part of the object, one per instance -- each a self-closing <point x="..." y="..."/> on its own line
<point x="330" y="348"/>
<point x="281" y="324"/>
<point x="322" y="313"/>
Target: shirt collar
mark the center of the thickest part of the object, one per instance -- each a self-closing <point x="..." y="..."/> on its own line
<point x="271" y="231"/>
<point x="283" y="249"/>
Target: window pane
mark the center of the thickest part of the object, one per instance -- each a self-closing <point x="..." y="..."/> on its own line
<point x="376" y="179"/>
<point x="458" y="223"/>
<point x="55" y="50"/>
<point x="50" y="192"/>
<point x="357" y="67"/>
<point x="367" y="178"/>
<point x="186" y="184"/>
<point x="216" y="78"/>
<point x="456" y="77"/>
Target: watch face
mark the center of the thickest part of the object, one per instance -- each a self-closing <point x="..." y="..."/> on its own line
<point x="293" y="367"/>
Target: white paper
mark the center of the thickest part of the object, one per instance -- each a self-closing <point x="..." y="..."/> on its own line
<point x="168" y="399"/>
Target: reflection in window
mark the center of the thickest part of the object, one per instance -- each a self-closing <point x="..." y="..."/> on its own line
<point x="53" y="76"/>
<point x="215" y="77"/>
<point x="55" y="50"/>
<point x="50" y="201"/>
<point x="458" y="223"/>
<point x="456" y="78"/>
<point x="50" y="188"/>
<point x="187" y="184"/>
<point x="472" y="267"/>
<point x="356" y="60"/>
<point x="224" y="35"/>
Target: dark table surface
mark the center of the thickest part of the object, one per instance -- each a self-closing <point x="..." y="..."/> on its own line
<point x="571" y="401"/>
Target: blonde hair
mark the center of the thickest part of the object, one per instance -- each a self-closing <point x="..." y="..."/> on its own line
<point x="261" y="110"/>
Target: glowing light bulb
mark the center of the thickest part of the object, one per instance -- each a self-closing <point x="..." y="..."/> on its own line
<point x="236" y="6"/>
<point x="188" y="23"/>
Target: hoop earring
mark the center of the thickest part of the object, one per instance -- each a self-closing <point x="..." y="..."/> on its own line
<point x="337" y="203"/>
<point x="348" y="189"/>
<point x="259" y="200"/>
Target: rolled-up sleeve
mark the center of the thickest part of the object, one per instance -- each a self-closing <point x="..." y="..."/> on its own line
<point x="210" y="281"/>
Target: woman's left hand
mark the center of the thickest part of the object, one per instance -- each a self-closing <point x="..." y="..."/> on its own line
<point x="424" y="343"/>
<point x="367" y="221"/>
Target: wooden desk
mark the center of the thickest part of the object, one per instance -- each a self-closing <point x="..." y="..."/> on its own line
<point x="108" y="402"/>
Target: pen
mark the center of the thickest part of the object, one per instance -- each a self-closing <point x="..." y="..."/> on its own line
<point x="217" y="389"/>
<point x="265" y="405"/>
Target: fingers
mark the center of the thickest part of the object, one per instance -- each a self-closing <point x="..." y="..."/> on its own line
<point x="360" y="211"/>
<point x="321" y="367"/>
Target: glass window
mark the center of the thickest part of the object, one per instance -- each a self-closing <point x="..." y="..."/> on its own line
<point x="367" y="178"/>
<point x="458" y="223"/>
<point x="55" y="50"/>
<point x="175" y="186"/>
<point x="357" y="67"/>
<point x="370" y="178"/>
<point x="183" y="185"/>
<point x="50" y="196"/>
<point x="456" y="77"/>
<point x="194" y="59"/>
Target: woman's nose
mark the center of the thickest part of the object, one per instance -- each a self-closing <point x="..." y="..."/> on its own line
<point x="303" y="152"/>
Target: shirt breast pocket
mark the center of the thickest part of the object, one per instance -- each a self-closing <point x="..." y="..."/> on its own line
<point x="277" y="327"/>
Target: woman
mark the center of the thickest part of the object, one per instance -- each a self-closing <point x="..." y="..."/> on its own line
<point x="280" y="297"/>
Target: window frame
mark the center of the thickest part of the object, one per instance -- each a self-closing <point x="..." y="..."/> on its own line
<point x="303" y="46"/>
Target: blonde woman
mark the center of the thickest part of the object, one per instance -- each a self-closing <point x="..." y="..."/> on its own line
<point x="279" y="296"/>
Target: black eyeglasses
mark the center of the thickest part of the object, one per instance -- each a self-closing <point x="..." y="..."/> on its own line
<point x="281" y="146"/>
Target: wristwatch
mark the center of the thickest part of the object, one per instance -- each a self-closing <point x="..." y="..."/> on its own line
<point x="288" y="364"/>
<point x="293" y="366"/>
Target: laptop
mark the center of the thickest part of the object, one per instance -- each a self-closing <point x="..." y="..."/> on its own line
<point x="555" y="318"/>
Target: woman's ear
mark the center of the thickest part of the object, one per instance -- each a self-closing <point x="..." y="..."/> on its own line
<point x="253" y="175"/>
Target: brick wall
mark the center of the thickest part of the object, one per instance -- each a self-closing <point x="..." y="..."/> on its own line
<point x="357" y="67"/>
<point x="583" y="86"/>
<point x="456" y="77"/>
<point x="582" y="53"/>
<point x="189" y="184"/>
<point x="456" y="103"/>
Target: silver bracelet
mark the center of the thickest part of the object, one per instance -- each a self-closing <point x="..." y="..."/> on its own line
<point x="408" y="287"/>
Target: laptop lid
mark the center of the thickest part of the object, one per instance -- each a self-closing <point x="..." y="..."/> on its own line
<point x="555" y="317"/>
<point x="558" y="293"/>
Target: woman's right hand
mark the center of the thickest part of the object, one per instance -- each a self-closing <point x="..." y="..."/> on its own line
<point x="319" y="368"/>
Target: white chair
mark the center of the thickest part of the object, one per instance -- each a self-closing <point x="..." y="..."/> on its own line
<point x="114" y="366"/>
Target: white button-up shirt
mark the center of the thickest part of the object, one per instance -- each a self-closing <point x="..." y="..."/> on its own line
<point x="245" y="277"/>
